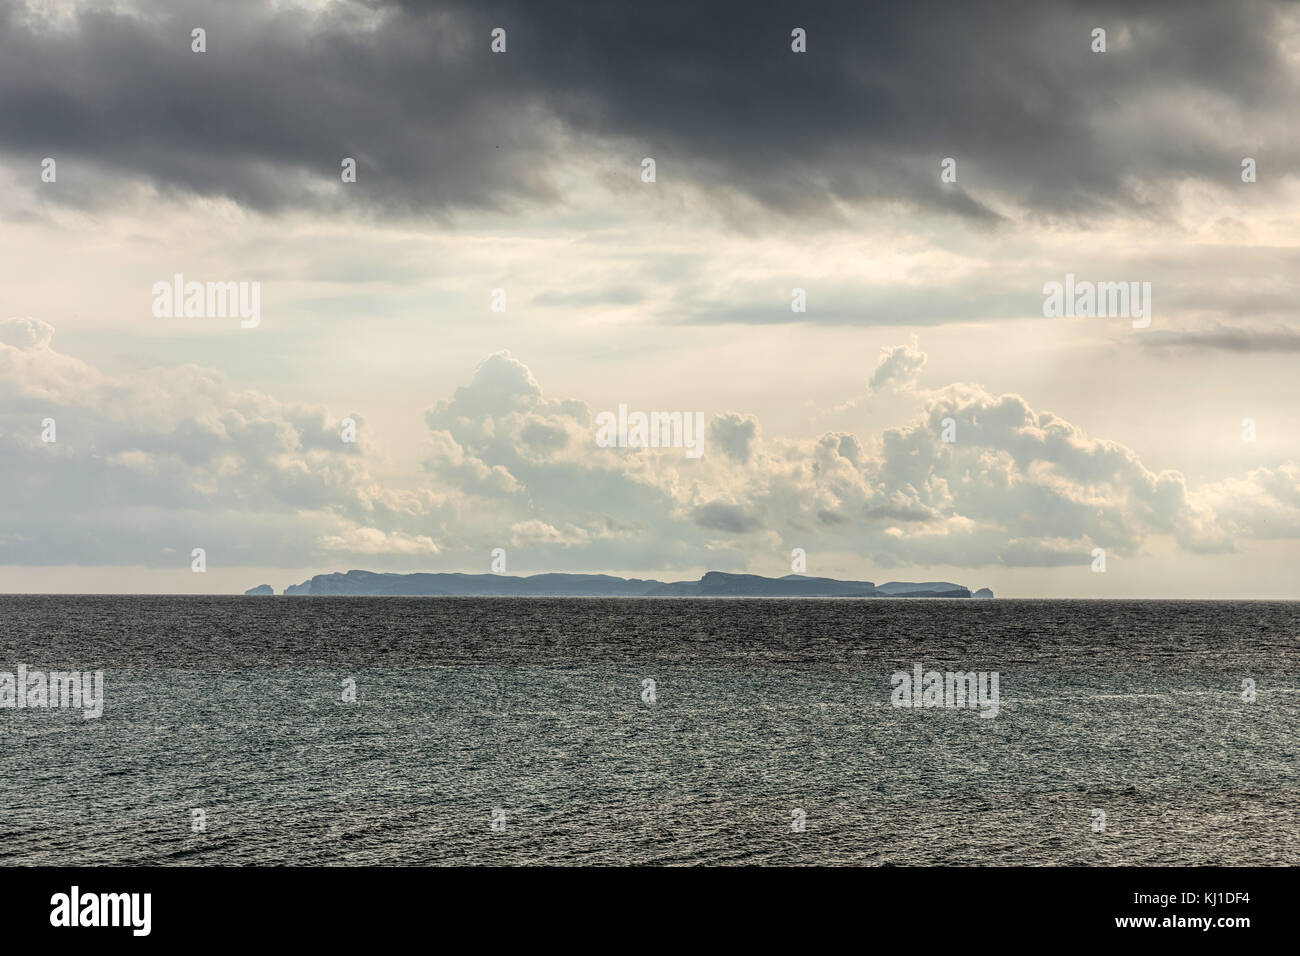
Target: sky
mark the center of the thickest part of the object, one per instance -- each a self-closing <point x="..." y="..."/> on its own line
<point x="504" y="269"/>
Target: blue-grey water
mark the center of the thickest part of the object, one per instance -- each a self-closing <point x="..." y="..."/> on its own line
<point x="537" y="709"/>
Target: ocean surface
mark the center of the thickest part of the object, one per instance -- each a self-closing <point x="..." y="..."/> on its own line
<point x="508" y="731"/>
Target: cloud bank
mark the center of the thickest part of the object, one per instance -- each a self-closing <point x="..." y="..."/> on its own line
<point x="146" y="467"/>
<point x="1038" y="123"/>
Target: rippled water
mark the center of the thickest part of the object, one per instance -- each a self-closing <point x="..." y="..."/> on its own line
<point x="534" y="707"/>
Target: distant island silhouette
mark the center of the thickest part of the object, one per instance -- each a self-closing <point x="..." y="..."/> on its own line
<point x="712" y="584"/>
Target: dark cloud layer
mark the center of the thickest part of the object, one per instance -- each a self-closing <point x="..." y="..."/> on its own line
<point x="712" y="91"/>
<point x="1280" y="339"/>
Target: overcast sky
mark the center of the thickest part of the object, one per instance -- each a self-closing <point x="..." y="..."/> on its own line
<point x="775" y="170"/>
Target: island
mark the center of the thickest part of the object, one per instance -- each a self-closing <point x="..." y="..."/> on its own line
<point x="714" y="584"/>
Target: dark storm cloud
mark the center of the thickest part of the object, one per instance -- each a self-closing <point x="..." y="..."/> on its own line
<point x="267" y="114"/>
<point x="712" y="91"/>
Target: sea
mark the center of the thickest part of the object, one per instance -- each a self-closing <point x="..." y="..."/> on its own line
<point x="498" y="731"/>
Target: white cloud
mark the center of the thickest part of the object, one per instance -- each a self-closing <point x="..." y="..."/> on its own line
<point x="898" y="367"/>
<point x="26" y="333"/>
<point x="372" y="541"/>
<point x="156" y="463"/>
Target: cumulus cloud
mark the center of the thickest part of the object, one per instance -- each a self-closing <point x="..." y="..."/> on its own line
<point x="1018" y="487"/>
<point x="534" y="532"/>
<point x="372" y="541"/>
<point x="733" y="435"/>
<point x="147" y="466"/>
<point x="26" y="333"/>
<point x="168" y="459"/>
<point x="898" y="367"/>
